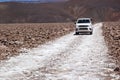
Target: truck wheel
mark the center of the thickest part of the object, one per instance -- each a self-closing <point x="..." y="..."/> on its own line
<point x="77" y="33"/>
<point x="91" y="33"/>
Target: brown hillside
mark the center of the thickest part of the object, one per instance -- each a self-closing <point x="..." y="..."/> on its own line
<point x="32" y="12"/>
<point x="100" y="10"/>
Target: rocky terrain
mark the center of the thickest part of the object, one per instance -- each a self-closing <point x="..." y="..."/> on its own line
<point x="111" y="31"/>
<point x="16" y="36"/>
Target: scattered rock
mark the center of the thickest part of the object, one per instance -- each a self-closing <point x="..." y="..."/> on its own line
<point x="117" y="69"/>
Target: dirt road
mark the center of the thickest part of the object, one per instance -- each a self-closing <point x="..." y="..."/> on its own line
<point x="71" y="57"/>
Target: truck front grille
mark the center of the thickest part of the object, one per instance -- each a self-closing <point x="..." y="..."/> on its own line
<point x="83" y="28"/>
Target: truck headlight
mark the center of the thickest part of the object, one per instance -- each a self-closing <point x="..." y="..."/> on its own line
<point x="76" y="29"/>
<point x="90" y="28"/>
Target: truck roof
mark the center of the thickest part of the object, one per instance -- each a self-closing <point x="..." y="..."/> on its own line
<point x="84" y="18"/>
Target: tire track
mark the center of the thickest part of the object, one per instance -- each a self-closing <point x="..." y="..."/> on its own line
<point x="20" y="66"/>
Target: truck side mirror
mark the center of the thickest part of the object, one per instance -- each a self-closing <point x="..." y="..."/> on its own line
<point x="91" y="19"/>
<point x="75" y="22"/>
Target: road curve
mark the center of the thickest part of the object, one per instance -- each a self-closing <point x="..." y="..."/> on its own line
<point x="71" y="57"/>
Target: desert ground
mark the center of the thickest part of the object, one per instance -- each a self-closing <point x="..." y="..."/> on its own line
<point x="111" y="31"/>
<point x="37" y="40"/>
<point x="64" y="56"/>
<point x="16" y="36"/>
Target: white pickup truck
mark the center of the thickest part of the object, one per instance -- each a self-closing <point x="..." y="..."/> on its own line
<point x="84" y="25"/>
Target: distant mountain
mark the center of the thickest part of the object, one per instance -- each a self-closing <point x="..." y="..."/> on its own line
<point x="13" y="12"/>
<point x="29" y="1"/>
<point x="99" y="10"/>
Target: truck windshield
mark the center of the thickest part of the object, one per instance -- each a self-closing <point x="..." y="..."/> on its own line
<point x="83" y="21"/>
